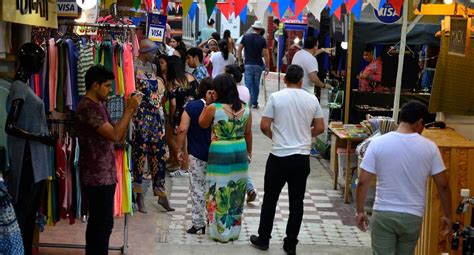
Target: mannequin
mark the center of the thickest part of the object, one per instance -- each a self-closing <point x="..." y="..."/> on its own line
<point x="28" y="141"/>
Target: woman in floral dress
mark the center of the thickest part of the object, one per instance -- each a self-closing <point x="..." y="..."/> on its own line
<point x="229" y="155"/>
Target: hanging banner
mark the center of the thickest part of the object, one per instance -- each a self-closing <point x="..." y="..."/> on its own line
<point x="315" y="7"/>
<point x="44" y="14"/>
<point x="387" y="14"/>
<point x="260" y="9"/>
<point x="156" y="27"/>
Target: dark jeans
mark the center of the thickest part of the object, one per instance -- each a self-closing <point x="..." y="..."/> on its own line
<point x="252" y="75"/>
<point x="293" y="170"/>
<point x="101" y="218"/>
<point x="28" y="203"/>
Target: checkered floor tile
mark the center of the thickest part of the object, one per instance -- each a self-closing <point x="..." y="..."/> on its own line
<point x="326" y="221"/>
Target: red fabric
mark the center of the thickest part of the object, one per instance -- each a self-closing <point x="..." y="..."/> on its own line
<point x="226" y="8"/>
<point x="37" y="85"/>
<point x="397" y="5"/>
<point x="337" y="13"/>
<point x="149" y="6"/>
<point x="299" y="6"/>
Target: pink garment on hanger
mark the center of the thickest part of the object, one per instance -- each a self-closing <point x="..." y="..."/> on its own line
<point x="118" y="186"/>
<point x="136" y="46"/>
<point x="53" y="73"/>
<point x="128" y="69"/>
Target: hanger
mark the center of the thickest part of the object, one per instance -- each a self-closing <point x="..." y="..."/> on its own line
<point x="396" y="49"/>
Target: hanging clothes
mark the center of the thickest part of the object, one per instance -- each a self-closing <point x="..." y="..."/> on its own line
<point x="86" y="61"/>
<point x="128" y="69"/>
<point x="53" y="73"/>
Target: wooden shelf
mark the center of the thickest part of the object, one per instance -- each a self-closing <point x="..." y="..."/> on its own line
<point x="9" y="58"/>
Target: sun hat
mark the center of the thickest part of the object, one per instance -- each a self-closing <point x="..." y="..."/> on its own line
<point x="258" y="25"/>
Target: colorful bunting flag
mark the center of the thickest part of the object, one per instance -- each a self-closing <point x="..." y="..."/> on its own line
<point x="397" y="5"/>
<point x="337" y="13"/>
<point x="186" y="6"/>
<point x="136" y="4"/>
<point x="357" y="9"/>
<point x="381" y="4"/>
<point x="260" y="9"/>
<point x="226" y="9"/>
<point x="164" y="4"/>
<point x="210" y="5"/>
<point x="239" y="6"/>
<point x="316" y="6"/>
<point x="335" y="5"/>
<point x="192" y="11"/>
<point x="299" y="6"/>
<point x="350" y="4"/>
<point x="282" y="7"/>
<point x="243" y="15"/>
<point x="275" y="10"/>
<point x="375" y="4"/>
<point x="158" y="4"/>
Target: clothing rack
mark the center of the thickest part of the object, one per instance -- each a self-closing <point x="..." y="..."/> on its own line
<point x="100" y="25"/>
<point x="122" y="249"/>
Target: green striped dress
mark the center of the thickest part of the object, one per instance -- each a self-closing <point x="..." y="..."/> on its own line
<point x="227" y="173"/>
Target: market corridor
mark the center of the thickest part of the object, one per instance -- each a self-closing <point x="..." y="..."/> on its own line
<point x="328" y="223"/>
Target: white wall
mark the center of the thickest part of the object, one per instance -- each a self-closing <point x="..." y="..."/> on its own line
<point x="464" y="125"/>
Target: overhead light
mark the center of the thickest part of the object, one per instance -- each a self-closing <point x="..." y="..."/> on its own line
<point x="344" y="45"/>
<point x="448" y="1"/>
<point x="297" y="40"/>
<point x="86" y="4"/>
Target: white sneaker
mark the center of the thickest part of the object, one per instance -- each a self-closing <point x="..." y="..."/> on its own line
<point x="179" y="173"/>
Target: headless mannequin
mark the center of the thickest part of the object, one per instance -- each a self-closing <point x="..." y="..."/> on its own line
<point x="25" y="184"/>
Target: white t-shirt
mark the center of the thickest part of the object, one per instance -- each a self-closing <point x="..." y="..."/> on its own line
<point x="402" y="163"/>
<point x="219" y="63"/>
<point x="292" y="111"/>
<point x="244" y="93"/>
<point x="309" y="64"/>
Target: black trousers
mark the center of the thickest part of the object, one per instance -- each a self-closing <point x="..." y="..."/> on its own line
<point x="28" y="203"/>
<point x="101" y="218"/>
<point x="293" y="170"/>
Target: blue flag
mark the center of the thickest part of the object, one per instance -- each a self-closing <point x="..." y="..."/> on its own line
<point x="357" y="10"/>
<point x="335" y="5"/>
<point x="243" y="16"/>
<point x="283" y="6"/>
<point x="192" y="11"/>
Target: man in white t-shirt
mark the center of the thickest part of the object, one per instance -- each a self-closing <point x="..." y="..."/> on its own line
<point x="291" y="117"/>
<point x="307" y="60"/>
<point x="402" y="161"/>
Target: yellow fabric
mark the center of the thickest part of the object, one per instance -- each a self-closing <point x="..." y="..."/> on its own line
<point x="49" y="221"/>
<point x="121" y="84"/>
<point x="453" y="88"/>
<point x="126" y="186"/>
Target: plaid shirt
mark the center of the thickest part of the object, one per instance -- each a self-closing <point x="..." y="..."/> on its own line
<point x="200" y="73"/>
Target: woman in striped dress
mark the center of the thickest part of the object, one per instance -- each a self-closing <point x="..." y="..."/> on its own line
<point x="229" y="156"/>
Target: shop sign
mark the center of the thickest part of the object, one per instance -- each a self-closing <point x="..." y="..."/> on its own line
<point x="387" y="14"/>
<point x="30" y="12"/>
<point x="459" y="36"/>
<point x="68" y="8"/>
<point x="295" y="20"/>
<point x="156" y="27"/>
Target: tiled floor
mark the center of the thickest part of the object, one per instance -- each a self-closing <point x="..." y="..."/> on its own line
<point x="322" y="220"/>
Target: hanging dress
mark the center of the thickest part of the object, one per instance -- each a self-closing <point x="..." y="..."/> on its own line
<point x="227" y="173"/>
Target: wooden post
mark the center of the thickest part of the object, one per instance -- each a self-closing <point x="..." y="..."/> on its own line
<point x="401" y="60"/>
<point x="348" y="70"/>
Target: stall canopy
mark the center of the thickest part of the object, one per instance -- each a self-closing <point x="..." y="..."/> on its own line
<point x="371" y="30"/>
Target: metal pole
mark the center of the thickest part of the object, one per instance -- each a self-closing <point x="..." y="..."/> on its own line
<point x="401" y="60"/>
<point x="347" y="95"/>
<point x="281" y="42"/>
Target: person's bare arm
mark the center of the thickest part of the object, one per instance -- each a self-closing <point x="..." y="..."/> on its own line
<point x="206" y="117"/>
<point x="117" y="133"/>
<point x="266" y="58"/>
<point x="266" y="126"/>
<point x="318" y="127"/>
<point x="182" y="132"/>
<point x="442" y="183"/>
<point x="361" y="193"/>
<point x="239" y="52"/>
<point x="248" y="136"/>
<point x="313" y="77"/>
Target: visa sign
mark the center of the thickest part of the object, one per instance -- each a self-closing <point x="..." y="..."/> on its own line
<point x="387" y="14"/>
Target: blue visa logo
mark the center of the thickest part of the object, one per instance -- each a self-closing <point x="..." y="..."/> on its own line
<point x="387" y="14"/>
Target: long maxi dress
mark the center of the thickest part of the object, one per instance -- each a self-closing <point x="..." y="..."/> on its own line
<point x="227" y="174"/>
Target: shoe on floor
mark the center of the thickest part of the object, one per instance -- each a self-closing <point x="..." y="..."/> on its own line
<point x="255" y="106"/>
<point x="289" y="250"/>
<point x="257" y="243"/>
<point x="251" y="195"/>
<point x="179" y="173"/>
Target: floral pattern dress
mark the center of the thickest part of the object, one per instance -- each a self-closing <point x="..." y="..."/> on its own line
<point x="149" y="122"/>
<point x="227" y="174"/>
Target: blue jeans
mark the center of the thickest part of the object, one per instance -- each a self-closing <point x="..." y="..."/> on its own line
<point x="252" y="75"/>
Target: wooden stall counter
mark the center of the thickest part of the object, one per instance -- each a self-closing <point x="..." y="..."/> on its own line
<point x="341" y="138"/>
<point x="458" y="156"/>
